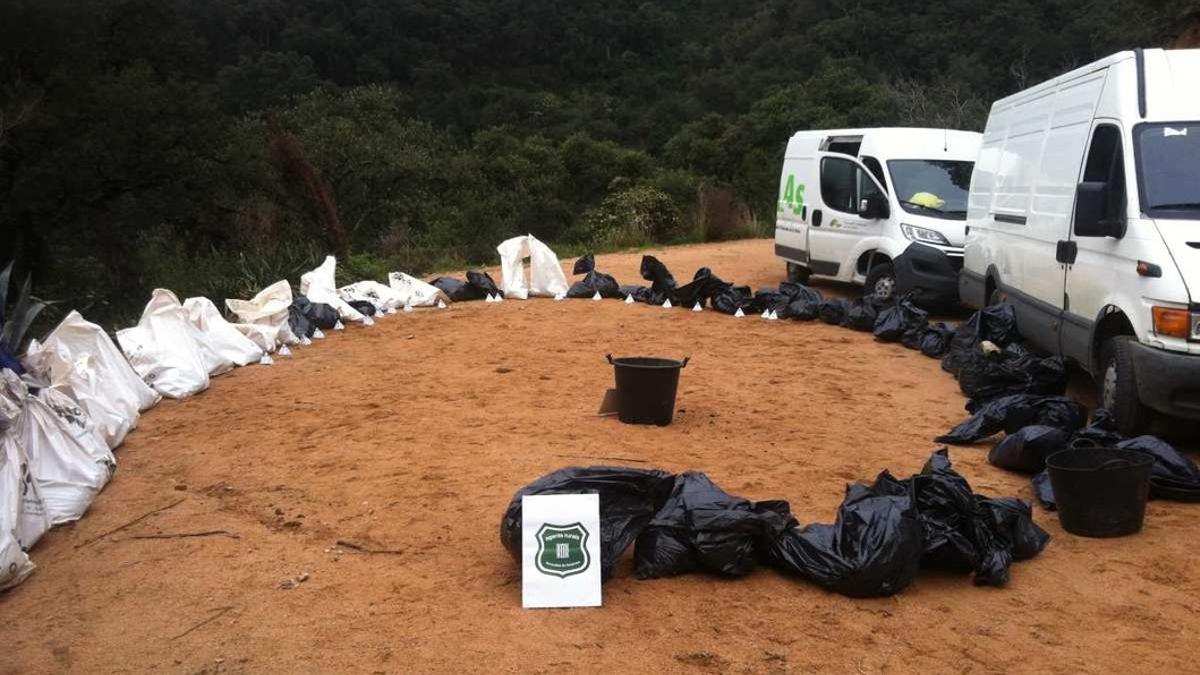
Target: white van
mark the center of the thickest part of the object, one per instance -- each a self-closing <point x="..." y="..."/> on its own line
<point x="851" y="201"/>
<point x="1084" y="213"/>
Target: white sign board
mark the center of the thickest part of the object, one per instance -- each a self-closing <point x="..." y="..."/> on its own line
<point x="560" y="564"/>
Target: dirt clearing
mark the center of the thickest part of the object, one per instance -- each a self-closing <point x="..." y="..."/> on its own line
<point x="405" y="441"/>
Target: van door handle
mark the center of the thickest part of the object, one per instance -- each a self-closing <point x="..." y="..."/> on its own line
<point x="816" y="222"/>
<point x="1066" y="252"/>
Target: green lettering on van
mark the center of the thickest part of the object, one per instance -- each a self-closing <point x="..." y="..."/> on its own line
<point x="793" y="195"/>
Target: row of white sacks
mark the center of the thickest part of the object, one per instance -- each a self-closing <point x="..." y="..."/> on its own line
<point x="81" y="395"/>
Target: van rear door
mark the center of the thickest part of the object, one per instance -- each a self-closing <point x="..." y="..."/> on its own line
<point x="796" y="185"/>
<point x="837" y="227"/>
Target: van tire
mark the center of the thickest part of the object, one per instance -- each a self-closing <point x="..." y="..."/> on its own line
<point x="881" y="282"/>
<point x="1116" y="387"/>
<point x="798" y="274"/>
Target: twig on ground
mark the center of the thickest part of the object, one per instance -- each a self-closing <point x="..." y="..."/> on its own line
<point x="363" y="549"/>
<point x="220" y="612"/>
<point x="605" y="459"/>
<point x="182" y="535"/>
<point x="135" y="521"/>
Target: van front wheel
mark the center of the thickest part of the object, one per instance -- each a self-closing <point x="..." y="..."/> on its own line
<point x="1117" y="387"/>
<point x="881" y="282"/>
<point x="797" y="274"/>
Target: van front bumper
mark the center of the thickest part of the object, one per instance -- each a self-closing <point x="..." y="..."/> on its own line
<point x="929" y="274"/>
<point x="1168" y="382"/>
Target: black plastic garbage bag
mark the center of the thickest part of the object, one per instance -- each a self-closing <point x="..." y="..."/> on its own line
<point x="1173" y="476"/>
<point x="894" y="322"/>
<point x="803" y="309"/>
<point x="593" y="282"/>
<point x="1026" y="450"/>
<point x="300" y="325"/>
<point x="1043" y="491"/>
<point x="629" y="498"/>
<point x="321" y="315"/>
<point x="478" y="286"/>
<point x="729" y="299"/>
<point x="987" y="375"/>
<point x="702" y="528"/>
<point x="363" y="307"/>
<point x="911" y="339"/>
<point x="1013" y="518"/>
<point x="804" y="302"/>
<point x="1051" y="411"/>
<point x="796" y="291"/>
<point x="833" y="310"/>
<point x="1010" y="413"/>
<point x="935" y="340"/>
<point x="662" y="283"/>
<point x="873" y="548"/>
<point x="770" y="299"/>
<point x="639" y="293"/>
<point x="946" y="507"/>
<point x="861" y="315"/>
<point x="779" y="300"/>
<point x="455" y="289"/>
<point x="483" y="284"/>
<point x="315" y="314"/>
<point x="962" y="530"/>
<point x="702" y="287"/>
<point x="1100" y="433"/>
<point x="996" y="324"/>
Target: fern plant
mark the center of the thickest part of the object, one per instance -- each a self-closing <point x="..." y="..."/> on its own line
<point x="16" y="320"/>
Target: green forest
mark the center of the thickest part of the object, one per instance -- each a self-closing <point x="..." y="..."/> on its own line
<point x="215" y="146"/>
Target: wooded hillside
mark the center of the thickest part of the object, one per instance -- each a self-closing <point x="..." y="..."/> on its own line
<point x="214" y="146"/>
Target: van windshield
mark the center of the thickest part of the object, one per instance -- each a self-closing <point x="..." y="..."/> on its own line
<point x="1168" y="164"/>
<point x="932" y="187"/>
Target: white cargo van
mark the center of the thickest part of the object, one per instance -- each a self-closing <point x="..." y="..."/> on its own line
<point x="851" y="201"/>
<point x="1084" y="213"/>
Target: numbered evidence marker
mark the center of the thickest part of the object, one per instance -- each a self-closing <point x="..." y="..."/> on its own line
<point x="560" y="564"/>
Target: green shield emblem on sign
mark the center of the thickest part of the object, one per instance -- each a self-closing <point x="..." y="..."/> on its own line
<point x="562" y="550"/>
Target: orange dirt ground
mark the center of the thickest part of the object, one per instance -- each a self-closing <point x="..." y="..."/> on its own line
<point x="411" y="436"/>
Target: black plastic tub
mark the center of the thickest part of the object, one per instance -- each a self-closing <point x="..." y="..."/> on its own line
<point x="1101" y="492"/>
<point x="646" y="388"/>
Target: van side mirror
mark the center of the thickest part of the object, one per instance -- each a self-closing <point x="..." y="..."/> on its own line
<point x="1091" y="202"/>
<point x="873" y="207"/>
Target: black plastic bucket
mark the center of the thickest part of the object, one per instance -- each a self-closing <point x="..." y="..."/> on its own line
<point x="646" y="388"/>
<point x="1100" y="492"/>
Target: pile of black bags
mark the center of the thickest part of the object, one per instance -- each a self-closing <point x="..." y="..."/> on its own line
<point x="996" y="324"/>
<point x="789" y="301"/>
<point x="305" y="317"/>
<point x="935" y="340"/>
<point x="705" y="289"/>
<point x="883" y="535"/>
<point x="662" y="283"/>
<point x="478" y="286"/>
<point x="1013" y="412"/>
<point x="987" y="373"/>
<point x="1173" y="476"/>
<point x="902" y="322"/>
<point x="593" y="282"/>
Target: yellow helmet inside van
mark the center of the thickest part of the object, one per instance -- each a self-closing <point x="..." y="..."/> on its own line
<point x="927" y="199"/>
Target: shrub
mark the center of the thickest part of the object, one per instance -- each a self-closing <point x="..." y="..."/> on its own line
<point x="632" y="217"/>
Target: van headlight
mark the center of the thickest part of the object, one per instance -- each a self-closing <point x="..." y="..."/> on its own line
<point x="1196" y="325"/>
<point x="923" y="235"/>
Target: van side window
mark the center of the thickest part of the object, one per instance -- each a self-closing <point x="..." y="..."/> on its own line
<point x="843" y="184"/>
<point x="876" y="170"/>
<point x="1106" y="164"/>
